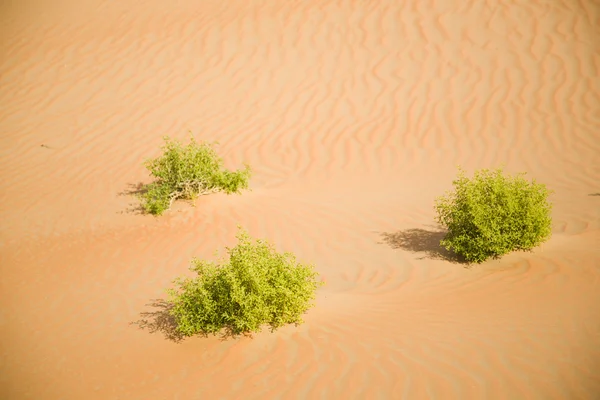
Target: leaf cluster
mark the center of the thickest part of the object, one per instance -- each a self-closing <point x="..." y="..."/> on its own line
<point x="493" y="214"/>
<point x="186" y="172"/>
<point x="256" y="286"/>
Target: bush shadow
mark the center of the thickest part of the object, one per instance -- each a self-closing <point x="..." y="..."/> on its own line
<point x="594" y="194"/>
<point x="134" y="189"/>
<point x="422" y="241"/>
<point x="161" y="320"/>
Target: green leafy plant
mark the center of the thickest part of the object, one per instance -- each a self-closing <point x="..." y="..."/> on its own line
<point x="256" y="286"/>
<point x="186" y="172"/>
<point x="493" y="214"/>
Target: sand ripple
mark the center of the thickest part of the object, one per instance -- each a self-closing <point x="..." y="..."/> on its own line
<point x="354" y="116"/>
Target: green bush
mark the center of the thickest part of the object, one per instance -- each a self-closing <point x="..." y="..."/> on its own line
<point x="492" y="214"/>
<point x="257" y="286"/>
<point x="185" y="172"/>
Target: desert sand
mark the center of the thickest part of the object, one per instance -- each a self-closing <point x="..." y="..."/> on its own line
<point x="354" y="116"/>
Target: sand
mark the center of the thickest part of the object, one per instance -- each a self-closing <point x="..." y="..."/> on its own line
<point x="354" y="116"/>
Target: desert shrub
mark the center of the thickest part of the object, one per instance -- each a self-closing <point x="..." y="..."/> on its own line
<point x="256" y="286"/>
<point x="493" y="214"/>
<point x="186" y="172"/>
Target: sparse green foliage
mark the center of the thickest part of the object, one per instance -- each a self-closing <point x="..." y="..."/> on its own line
<point x="187" y="171"/>
<point x="492" y="214"/>
<point x="257" y="286"/>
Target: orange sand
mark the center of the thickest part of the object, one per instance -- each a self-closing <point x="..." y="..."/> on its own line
<point x="354" y="115"/>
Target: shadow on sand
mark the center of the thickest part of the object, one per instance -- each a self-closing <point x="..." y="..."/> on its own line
<point x="134" y="189"/>
<point x="160" y="320"/>
<point x="421" y="241"/>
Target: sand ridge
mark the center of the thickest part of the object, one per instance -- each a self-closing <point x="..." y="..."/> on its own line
<point x="354" y="116"/>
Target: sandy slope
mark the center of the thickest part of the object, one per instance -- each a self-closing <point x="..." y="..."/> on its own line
<point x="354" y="115"/>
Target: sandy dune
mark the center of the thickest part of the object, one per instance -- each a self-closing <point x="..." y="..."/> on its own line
<point x="354" y="116"/>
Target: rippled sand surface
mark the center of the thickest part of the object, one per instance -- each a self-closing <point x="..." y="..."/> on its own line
<point x="354" y="116"/>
